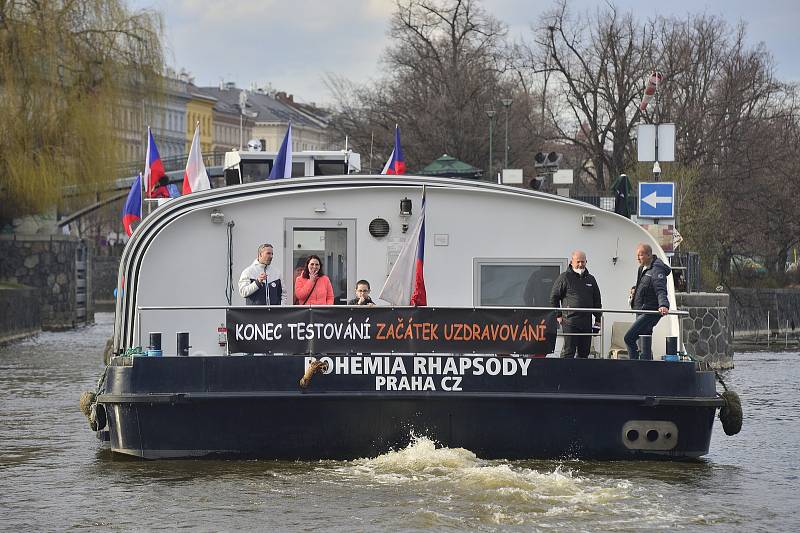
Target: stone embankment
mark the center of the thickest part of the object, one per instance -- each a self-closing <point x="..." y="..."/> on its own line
<point x="57" y="268"/>
<point x="19" y="313"/>
<point x="104" y="281"/>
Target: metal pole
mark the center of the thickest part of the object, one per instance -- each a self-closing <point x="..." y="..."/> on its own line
<point x="490" y="113"/>
<point x="768" y="331"/>
<point x="491" y="124"/>
<point x="506" y="103"/>
<point x="506" y="143"/>
<point x="603" y="354"/>
<point x="371" y="141"/>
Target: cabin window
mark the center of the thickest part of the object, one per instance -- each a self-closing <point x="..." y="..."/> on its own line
<point x="515" y="282"/>
<point x="329" y="168"/>
<point x="254" y="171"/>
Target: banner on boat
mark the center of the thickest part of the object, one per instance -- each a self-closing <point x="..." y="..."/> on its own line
<point x="316" y="330"/>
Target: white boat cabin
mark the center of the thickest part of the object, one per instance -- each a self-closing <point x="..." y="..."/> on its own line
<point x="485" y="245"/>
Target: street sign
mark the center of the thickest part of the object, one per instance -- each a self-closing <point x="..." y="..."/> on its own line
<point x="512" y="175"/>
<point x="650" y="136"/>
<point x="563" y="176"/>
<point x="657" y="200"/>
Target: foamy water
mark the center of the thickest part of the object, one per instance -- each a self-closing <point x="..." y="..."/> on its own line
<point x="452" y="487"/>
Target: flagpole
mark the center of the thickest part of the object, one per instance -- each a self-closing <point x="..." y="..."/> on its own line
<point x="141" y="196"/>
<point x="143" y="184"/>
<point x="371" y="141"/>
<point x="199" y="144"/>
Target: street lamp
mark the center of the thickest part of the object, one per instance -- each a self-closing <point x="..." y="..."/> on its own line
<point x="490" y="113"/>
<point x="242" y="106"/>
<point x="506" y="103"/>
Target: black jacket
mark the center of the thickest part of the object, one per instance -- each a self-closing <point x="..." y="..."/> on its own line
<point x="576" y="290"/>
<point x="354" y="301"/>
<point x="651" y="287"/>
<point x="271" y="288"/>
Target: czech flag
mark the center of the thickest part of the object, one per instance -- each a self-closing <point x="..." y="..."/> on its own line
<point x="153" y="167"/>
<point x="133" y="206"/>
<point x="396" y="163"/>
<point x="406" y="282"/>
<point x="419" y="297"/>
<point x="282" y="166"/>
<point x="195" y="178"/>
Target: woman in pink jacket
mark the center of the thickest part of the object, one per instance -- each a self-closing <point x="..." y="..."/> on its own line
<point x="312" y="287"/>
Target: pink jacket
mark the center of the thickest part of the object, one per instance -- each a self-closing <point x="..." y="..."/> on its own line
<point x="321" y="295"/>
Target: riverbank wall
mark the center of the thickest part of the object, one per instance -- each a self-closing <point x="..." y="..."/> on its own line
<point x="58" y="268"/>
<point x="19" y="313"/>
<point x="104" y="281"/>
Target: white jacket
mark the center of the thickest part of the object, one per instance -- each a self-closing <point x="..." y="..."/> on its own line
<point x="247" y="287"/>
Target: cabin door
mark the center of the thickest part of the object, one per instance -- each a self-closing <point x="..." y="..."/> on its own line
<point x="334" y="241"/>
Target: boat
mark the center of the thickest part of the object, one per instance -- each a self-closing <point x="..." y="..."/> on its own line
<point x="230" y="380"/>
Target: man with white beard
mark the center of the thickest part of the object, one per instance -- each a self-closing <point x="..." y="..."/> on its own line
<point x="576" y="288"/>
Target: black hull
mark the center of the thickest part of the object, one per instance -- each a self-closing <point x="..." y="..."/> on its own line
<point x="188" y="407"/>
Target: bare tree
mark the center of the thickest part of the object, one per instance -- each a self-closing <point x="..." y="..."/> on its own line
<point x="729" y="110"/>
<point x="443" y="69"/>
<point x="596" y="66"/>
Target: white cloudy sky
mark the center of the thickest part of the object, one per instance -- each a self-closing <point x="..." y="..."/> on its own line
<point x="293" y="43"/>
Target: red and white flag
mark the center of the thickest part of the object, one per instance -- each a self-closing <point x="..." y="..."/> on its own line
<point x="195" y="178"/>
<point x="406" y="282"/>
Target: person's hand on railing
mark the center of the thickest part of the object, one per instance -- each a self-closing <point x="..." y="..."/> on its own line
<point x="663" y="310"/>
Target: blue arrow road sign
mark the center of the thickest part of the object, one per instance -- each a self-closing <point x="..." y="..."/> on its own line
<point x="657" y="200"/>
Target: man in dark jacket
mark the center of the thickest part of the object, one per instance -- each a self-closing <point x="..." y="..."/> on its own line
<point x="650" y="294"/>
<point x="576" y="288"/>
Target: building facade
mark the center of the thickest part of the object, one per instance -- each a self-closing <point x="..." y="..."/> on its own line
<point x="228" y="117"/>
<point x="265" y="117"/>
<point x="233" y="126"/>
<point x="200" y="110"/>
<point x="167" y="119"/>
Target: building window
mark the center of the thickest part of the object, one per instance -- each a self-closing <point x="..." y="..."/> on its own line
<point x="518" y="282"/>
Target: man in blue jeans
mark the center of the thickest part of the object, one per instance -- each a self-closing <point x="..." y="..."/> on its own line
<point x="649" y="294"/>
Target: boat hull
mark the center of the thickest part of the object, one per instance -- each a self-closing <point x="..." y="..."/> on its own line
<point x="253" y="407"/>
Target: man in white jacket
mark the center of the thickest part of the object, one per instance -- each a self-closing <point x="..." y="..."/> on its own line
<point x="261" y="283"/>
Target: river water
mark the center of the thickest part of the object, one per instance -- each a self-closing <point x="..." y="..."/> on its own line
<point x="54" y="474"/>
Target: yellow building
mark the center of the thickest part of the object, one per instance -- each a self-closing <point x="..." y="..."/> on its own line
<point x="200" y="108"/>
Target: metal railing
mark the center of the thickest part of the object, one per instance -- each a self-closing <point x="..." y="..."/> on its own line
<point x="132" y="168"/>
<point x="603" y="352"/>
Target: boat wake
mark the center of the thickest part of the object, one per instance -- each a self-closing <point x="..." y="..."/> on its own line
<point x="452" y="487"/>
